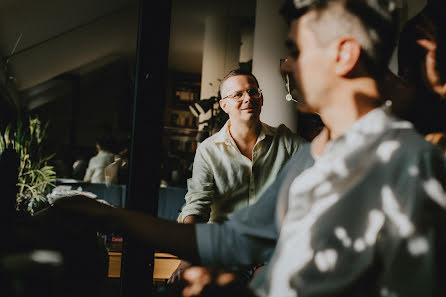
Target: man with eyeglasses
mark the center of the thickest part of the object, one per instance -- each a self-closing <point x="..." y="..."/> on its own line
<point x="233" y="167"/>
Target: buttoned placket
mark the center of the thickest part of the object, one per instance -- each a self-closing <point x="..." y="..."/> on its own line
<point x="252" y="178"/>
<point x="230" y="141"/>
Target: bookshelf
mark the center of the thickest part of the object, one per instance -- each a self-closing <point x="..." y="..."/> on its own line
<point x="180" y="127"/>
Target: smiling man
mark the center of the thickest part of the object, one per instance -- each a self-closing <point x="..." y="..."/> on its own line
<point x="233" y="167"/>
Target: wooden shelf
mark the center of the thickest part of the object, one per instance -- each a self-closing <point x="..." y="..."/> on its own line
<point x="180" y="129"/>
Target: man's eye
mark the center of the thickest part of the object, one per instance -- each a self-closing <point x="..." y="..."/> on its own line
<point x="238" y="95"/>
<point x="252" y="92"/>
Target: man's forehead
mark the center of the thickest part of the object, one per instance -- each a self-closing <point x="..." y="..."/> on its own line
<point x="299" y="25"/>
<point x="234" y="83"/>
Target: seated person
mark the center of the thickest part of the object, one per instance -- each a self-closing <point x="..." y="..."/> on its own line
<point x="96" y="165"/>
<point x="357" y="221"/>
<point x="234" y="166"/>
<point x="117" y="172"/>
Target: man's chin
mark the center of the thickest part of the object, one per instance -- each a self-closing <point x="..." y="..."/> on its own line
<point x="251" y="112"/>
<point x="248" y="117"/>
<point x="303" y="107"/>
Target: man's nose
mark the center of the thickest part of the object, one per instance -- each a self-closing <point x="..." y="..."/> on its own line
<point x="246" y="97"/>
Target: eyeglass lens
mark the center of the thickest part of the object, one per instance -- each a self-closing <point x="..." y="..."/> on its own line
<point x="254" y="93"/>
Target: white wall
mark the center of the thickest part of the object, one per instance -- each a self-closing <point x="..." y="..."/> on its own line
<point x="269" y="47"/>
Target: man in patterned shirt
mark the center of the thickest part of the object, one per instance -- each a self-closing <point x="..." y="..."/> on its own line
<point x="366" y="218"/>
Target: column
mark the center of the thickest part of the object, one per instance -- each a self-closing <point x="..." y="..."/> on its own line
<point x="221" y="52"/>
<point x="269" y="47"/>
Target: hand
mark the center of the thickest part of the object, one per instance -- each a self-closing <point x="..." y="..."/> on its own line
<point x="193" y="219"/>
<point x="177" y="275"/>
<point x="431" y="72"/>
<point x="198" y="278"/>
<point x="77" y="212"/>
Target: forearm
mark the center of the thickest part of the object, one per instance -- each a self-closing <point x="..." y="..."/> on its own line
<point x="83" y="213"/>
<point x="178" y="239"/>
<point x="193" y="219"/>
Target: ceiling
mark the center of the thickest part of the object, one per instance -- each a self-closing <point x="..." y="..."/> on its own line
<point x="187" y="28"/>
<point x="40" y="40"/>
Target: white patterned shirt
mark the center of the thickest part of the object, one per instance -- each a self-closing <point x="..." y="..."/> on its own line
<point x="368" y="219"/>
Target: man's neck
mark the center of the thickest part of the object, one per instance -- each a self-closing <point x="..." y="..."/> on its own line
<point x="245" y="135"/>
<point x="347" y="108"/>
<point x="244" y="131"/>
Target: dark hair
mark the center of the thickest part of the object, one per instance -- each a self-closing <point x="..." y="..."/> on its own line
<point x="236" y="72"/>
<point x="105" y="142"/>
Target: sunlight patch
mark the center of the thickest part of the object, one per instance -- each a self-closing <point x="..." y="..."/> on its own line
<point x="386" y="150"/>
<point x="376" y="221"/>
<point x="326" y="260"/>
<point x="402" y="125"/>
<point x="418" y="246"/>
<point x="47" y="257"/>
<point x="387" y="293"/>
<point x="359" y="245"/>
<point x="342" y="235"/>
<point x="435" y="190"/>
<point x="413" y="170"/>
<point x="392" y="210"/>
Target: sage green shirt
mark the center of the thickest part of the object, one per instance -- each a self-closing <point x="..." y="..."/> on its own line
<point x="224" y="180"/>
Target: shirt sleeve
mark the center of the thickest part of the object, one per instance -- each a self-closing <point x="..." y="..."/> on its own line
<point x="88" y="172"/>
<point x="201" y="188"/>
<point x="248" y="237"/>
<point x="293" y="142"/>
<point x="250" y="234"/>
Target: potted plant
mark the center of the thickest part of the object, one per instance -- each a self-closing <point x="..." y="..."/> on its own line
<point x="35" y="176"/>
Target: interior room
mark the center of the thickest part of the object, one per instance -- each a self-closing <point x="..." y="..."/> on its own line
<point x="72" y="81"/>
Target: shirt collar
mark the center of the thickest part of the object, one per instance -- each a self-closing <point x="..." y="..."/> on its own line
<point x="223" y="136"/>
<point x="374" y="123"/>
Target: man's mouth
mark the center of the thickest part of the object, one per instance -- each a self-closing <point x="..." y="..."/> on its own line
<point x="250" y="108"/>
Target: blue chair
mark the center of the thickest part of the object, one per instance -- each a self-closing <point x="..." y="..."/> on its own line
<point x="170" y="202"/>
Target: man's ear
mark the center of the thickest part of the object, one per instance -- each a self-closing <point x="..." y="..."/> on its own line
<point x="348" y="52"/>
<point x="223" y="105"/>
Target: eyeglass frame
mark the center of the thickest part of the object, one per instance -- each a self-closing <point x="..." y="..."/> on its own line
<point x="245" y="91"/>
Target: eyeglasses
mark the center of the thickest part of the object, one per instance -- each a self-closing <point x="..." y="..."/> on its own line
<point x="238" y="96"/>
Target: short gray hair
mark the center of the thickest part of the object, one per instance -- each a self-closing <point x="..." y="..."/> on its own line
<point x="373" y="29"/>
<point x="236" y="72"/>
